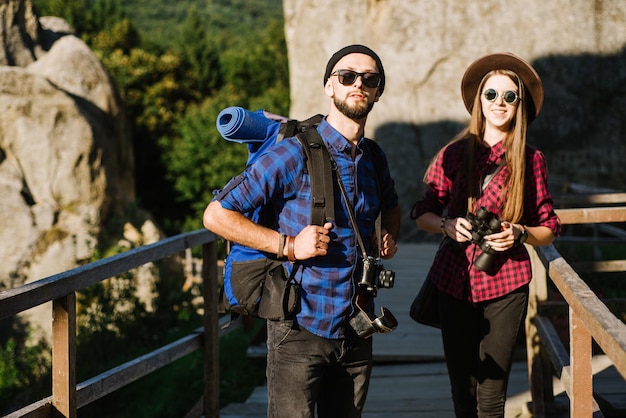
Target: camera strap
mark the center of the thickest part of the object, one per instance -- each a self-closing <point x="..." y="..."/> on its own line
<point x="486" y="180"/>
<point x="493" y="174"/>
<point x="377" y="226"/>
<point x="350" y="210"/>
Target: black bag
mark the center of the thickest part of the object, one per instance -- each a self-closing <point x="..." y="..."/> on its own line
<point x="425" y="306"/>
<point x="280" y="296"/>
<point x="262" y="288"/>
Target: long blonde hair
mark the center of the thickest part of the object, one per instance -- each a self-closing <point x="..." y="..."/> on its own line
<point x="515" y="151"/>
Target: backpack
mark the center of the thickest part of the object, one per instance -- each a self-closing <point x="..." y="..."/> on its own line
<point x="255" y="283"/>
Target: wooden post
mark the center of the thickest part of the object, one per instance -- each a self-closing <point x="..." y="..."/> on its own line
<point x="539" y="365"/>
<point x="211" y="338"/>
<point x="581" y="383"/>
<point x="64" y="356"/>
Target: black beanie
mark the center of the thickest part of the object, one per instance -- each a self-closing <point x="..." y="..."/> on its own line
<point x="355" y="49"/>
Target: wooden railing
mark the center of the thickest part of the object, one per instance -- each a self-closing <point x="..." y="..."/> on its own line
<point x="589" y="317"/>
<point x="67" y="396"/>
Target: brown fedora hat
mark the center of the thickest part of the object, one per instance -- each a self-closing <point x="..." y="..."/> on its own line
<point x="503" y="61"/>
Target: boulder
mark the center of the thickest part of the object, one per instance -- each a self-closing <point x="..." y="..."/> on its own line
<point x="66" y="161"/>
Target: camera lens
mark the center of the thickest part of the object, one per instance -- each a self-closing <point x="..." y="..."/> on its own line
<point x="482" y="213"/>
<point x="386" y="279"/>
<point x="484" y="262"/>
<point x="495" y="225"/>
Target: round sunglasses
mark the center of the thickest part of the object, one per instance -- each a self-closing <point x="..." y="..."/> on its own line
<point x="348" y="77"/>
<point x="508" y="96"/>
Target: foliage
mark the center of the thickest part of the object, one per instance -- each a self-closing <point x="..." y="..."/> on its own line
<point x="239" y="375"/>
<point x="24" y="371"/>
<point x="116" y="326"/>
<point x="246" y="69"/>
<point x="198" y="160"/>
<point x="86" y="16"/>
<point x="201" y="57"/>
<point x="177" y="64"/>
<point x="238" y="378"/>
<point x="114" y="308"/>
<point x="122" y="36"/>
<point x="233" y="23"/>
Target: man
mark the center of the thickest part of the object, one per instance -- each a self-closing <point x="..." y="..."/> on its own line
<point x="316" y="359"/>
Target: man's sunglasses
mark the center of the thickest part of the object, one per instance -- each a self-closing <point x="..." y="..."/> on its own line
<point x="508" y="96"/>
<point x="348" y="77"/>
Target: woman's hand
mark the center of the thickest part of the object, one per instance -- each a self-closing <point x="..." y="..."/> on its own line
<point x="505" y="239"/>
<point x="459" y="229"/>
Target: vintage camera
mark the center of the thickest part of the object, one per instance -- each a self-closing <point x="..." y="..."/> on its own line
<point x="484" y="223"/>
<point x="375" y="275"/>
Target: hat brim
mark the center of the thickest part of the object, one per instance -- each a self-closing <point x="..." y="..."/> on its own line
<point x="503" y="61"/>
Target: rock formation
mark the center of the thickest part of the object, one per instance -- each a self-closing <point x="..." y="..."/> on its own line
<point x="66" y="162"/>
<point x="66" y="156"/>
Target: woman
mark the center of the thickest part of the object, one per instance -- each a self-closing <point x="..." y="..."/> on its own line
<point x="493" y="189"/>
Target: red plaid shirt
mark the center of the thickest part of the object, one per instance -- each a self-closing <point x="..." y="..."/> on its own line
<point x="453" y="271"/>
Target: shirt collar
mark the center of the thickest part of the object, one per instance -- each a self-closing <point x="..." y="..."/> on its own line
<point x="334" y="139"/>
<point x="491" y="154"/>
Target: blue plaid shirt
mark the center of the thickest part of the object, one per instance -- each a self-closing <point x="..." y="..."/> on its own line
<point x="328" y="284"/>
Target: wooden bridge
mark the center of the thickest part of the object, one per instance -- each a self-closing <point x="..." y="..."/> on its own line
<point x="409" y="377"/>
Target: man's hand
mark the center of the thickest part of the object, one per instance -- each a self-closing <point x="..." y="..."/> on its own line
<point x="388" y="247"/>
<point x="312" y="241"/>
<point x="274" y="116"/>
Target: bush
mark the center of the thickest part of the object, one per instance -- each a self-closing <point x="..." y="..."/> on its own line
<point x="24" y="373"/>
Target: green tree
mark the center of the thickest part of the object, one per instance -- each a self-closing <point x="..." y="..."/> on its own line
<point x="200" y="57"/>
<point x="155" y="92"/>
<point x="198" y="159"/>
<point x="105" y="14"/>
<point x="121" y="36"/>
<point x="88" y="17"/>
<point x="223" y="47"/>
<point x="261" y="65"/>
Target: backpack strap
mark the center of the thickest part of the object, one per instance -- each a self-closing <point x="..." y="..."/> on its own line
<point x="287" y="129"/>
<point x="232" y="183"/>
<point x="321" y="174"/>
<point x="312" y="121"/>
<point x="292" y="126"/>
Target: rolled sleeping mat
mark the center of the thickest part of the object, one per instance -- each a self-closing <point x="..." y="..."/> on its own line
<point x="241" y="125"/>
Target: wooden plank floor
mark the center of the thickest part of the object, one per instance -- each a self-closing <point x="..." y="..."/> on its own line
<point x="409" y="378"/>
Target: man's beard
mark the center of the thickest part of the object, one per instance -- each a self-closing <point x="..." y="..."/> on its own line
<point x="357" y="111"/>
